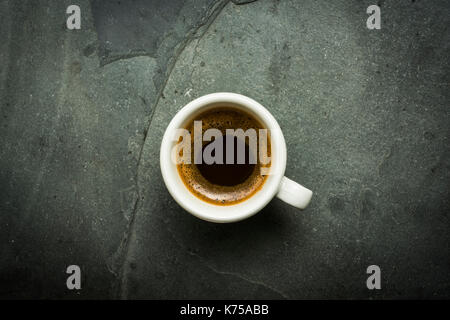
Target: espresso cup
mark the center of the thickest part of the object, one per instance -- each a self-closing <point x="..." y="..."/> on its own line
<point x="276" y="183"/>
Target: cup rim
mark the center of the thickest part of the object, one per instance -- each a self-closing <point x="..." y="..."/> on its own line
<point x="229" y="213"/>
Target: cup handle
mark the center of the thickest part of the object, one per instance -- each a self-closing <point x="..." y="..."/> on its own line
<point x="293" y="193"/>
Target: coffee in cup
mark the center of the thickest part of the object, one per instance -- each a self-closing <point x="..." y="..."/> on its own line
<point x="239" y="167"/>
<point x="218" y="190"/>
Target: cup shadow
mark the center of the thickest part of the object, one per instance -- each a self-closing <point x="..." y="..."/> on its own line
<point x="267" y="231"/>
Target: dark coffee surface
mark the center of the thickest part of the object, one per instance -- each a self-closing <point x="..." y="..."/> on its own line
<point x="228" y="174"/>
<point x="224" y="184"/>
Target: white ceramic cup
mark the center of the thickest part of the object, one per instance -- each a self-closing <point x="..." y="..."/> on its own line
<point x="276" y="183"/>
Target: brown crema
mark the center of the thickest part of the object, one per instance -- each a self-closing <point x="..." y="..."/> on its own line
<point x="225" y="184"/>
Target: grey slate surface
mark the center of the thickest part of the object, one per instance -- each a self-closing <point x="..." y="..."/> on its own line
<point x="365" y="115"/>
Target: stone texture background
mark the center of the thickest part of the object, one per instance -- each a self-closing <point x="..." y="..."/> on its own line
<point x="365" y="115"/>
